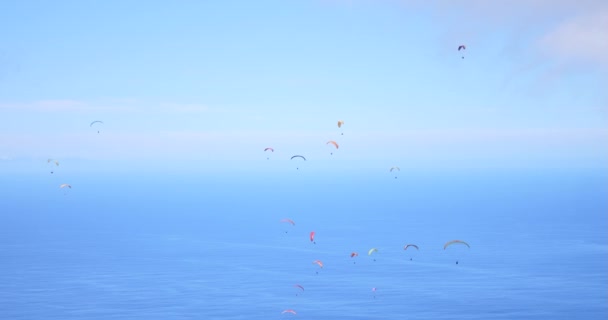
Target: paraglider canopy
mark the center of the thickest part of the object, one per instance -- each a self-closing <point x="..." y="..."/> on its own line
<point x="449" y="243"/>
<point x="410" y="245"/>
<point x="289" y="221"/>
<point x="335" y="144"/>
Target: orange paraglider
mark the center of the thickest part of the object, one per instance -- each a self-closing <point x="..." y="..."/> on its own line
<point x="335" y="144"/>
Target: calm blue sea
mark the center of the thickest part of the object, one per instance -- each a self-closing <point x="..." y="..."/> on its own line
<point x="163" y="246"/>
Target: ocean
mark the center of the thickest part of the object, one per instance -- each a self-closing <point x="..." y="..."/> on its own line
<point x="212" y="246"/>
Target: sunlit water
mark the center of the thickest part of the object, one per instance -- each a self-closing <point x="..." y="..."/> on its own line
<point x="208" y="247"/>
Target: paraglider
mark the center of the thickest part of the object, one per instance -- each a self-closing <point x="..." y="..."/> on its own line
<point x="94" y="122"/>
<point x="449" y="243"/>
<point x="372" y="250"/>
<point x="340" y="123"/>
<point x="298" y="286"/>
<point x="268" y="149"/>
<point x="289" y="311"/>
<point x="462" y="47"/>
<point x="319" y="263"/>
<point x="312" y="237"/>
<point x="335" y="144"/>
<point x="394" y="168"/>
<point x="53" y="161"/>
<point x="410" y="245"/>
<point x="288" y="221"/>
<point x="298" y="156"/>
<point x="354" y="254"/>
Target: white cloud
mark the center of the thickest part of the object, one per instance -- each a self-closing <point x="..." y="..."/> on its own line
<point x="582" y="39"/>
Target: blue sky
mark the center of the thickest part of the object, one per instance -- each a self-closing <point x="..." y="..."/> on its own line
<point x="196" y="82"/>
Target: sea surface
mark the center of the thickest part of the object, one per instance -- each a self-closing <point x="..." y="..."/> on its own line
<point x="212" y="246"/>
